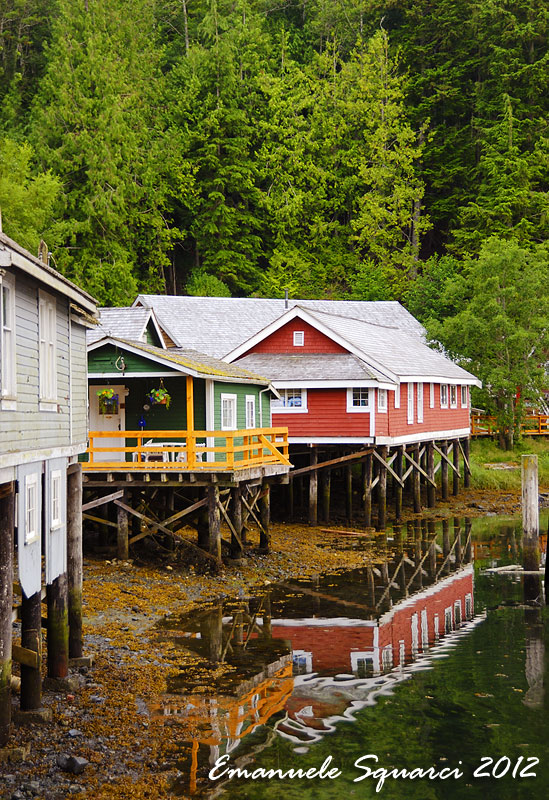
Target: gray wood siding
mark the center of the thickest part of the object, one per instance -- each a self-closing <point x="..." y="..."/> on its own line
<point x="79" y="384"/>
<point x="27" y="428"/>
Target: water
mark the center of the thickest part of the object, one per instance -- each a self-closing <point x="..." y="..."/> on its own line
<point x="423" y="662"/>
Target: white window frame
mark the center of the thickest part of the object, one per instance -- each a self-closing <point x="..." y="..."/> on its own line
<point x="32" y="502"/>
<point x="458" y="618"/>
<point x="360" y="409"/>
<point x="424" y="630"/>
<point x="444" y="400"/>
<point x="448" y="620"/>
<point x="8" y="378"/>
<point x="387" y="657"/>
<point x="304" y="657"/>
<point x="250" y="411"/>
<point x="415" y="634"/>
<point x="382" y="401"/>
<point x="47" y="361"/>
<point x="431" y="395"/>
<point x="299" y="338"/>
<point x="410" y="403"/>
<point x="468" y="606"/>
<point x="286" y="409"/>
<point x="420" y="402"/>
<point x="233" y="400"/>
<point x="464" y="396"/>
<point x="397" y="396"/>
<point x="402" y="652"/>
<point x="436" y="627"/>
<point x="453" y="392"/>
<point x="56" y="516"/>
<point x="366" y="656"/>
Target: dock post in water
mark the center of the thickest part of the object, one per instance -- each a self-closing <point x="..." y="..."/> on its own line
<point x="530" y="512"/>
<point x="7" y="523"/>
<point x="265" y="517"/>
<point x="31" y="639"/>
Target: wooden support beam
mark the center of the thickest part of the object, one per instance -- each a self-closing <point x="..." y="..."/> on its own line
<point x="122" y="539"/>
<point x="313" y="488"/>
<point x="31" y="639"/>
<point x="367" y="489"/>
<point x="466" y="465"/>
<point x="467" y="468"/>
<point x="399" y="485"/>
<point x="416" y="484"/>
<point x="7" y="525"/>
<point x="444" y="462"/>
<point x="382" y="492"/>
<point x="415" y="464"/>
<point x="387" y="464"/>
<point x="214" y="522"/>
<point x="100" y="501"/>
<point x="58" y="627"/>
<point x="237" y="541"/>
<point x="74" y="559"/>
<point x="431" y="486"/>
<point x="234" y="534"/>
<point x="294" y="473"/>
<point x="455" y="458"/>
<point x="189" y="510"/>
<point x="444" y="455"/>
<point x="21" y="655"/>
<point x="265" y="515"/>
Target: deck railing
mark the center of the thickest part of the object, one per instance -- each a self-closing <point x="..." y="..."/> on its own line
<point x="183" y="451"/>
<point x="532" y="425"/>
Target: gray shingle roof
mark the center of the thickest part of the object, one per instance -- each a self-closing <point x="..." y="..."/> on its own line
<point x="126" y="323"/>
<point x="217" y="325"/>
<point x="309" y="366"/>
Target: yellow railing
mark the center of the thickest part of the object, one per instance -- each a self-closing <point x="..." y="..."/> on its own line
<point x="183" y="451"/>
<point x="532" y="425"/>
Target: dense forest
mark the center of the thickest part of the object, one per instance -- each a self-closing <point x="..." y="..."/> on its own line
<point x="383" y="149"/>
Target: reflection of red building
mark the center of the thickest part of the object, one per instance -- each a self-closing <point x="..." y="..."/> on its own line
<point x="365" y="647"/>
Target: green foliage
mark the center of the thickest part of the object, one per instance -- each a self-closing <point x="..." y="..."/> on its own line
<point x="485" y="451"/>
<point x="501" y="330"/>
<point x="27" y="199"/>
<point x="202" y="284"/>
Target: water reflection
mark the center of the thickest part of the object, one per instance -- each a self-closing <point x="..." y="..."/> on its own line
<point x="307" y="655"/>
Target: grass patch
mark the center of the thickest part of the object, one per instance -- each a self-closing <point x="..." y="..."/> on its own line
<point x="486" y="452"/>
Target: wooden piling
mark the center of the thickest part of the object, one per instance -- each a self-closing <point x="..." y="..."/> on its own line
<point x="457" y="539"/>
<point x="455" y="472"/>
<point x="382" y="491"/>
<point x="466" y="460"/>
<point x="313" y="489"/>
<point x="326" y="480"/>
<point x="367" y="489"/>
<point x="530" y="513"/>
<point x="430" y="461"/>
<point x="214" y="521"/>
<point x="236" y="519"/>
<point x="444" y="470"/>
<point x="58" y="627"/>
<point x="446" y="546"/>
<point x="74" y="558"/>
<point x="416" y="478"/>
<point x="265" y="518"/>
<point x="31" y="639"/>
<point x="397" y="466"/>
<point x="7" y="523"/>
<point x="291" y="500"/>
<point x="349" y="492"/>
<point x="122" y="539"/>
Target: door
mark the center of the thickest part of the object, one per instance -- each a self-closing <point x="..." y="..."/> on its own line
<point x="115" y="421"/>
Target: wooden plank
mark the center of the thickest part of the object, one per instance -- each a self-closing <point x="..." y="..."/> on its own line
<point x="350" y="457"/>
<point x="102" y="500"/>
<point x="270" y="446"/>
<point x="445" y="457"/>
<point x="230" y="524"/>
<point x="22" y="655"/>
<point x="251" y="511"/>
<point x="186" y="511"/>
<point x="411" y="460"/>
<point x="162" y="528"/>
<point x="106" y="522"/>
<point x="369" y="532"/>
<point x="465" y="460"/>
<point x="387" y="465"/>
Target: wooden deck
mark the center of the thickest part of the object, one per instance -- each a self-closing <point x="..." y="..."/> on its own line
<point x="186" y="451"/>
<point x="533" y="425"/>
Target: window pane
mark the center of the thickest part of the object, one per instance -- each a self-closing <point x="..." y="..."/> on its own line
<point x="360" y="397"/>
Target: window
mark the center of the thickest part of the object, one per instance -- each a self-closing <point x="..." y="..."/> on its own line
<point x="402" y="652"/>
<point x="431" y="395"/>
<point x="443" y="395"/>
<point x="424" y="630"/>
<point x="228" y="412"/>
<point x="415" y="635"/>
<point x="302" y="662"/>
<point x="436" y="623"/>
<point x="290" y="400"/>
<point x="448" y="620"/>
<point x="56" y="499"/>
<point x="420" y="402"/>
<point x="31" y="508"/>
<point x="47" y="358"/>
<point x="250" y="411"/>
<point x="410" y="403"/>
<point x="464" y="398"/>
<point x="362" y="664"/>
<point x="387" y="658"/>
<point x="397" y="396"/>
<point x="382" y="400"/>
<point x="8" y="381"/>
<point x="453" y="397"/>
<point x="299" y="338"/>
<point x="468" y="606"/>
<point x="457" y="613"/>
<point x="358" y="399"/>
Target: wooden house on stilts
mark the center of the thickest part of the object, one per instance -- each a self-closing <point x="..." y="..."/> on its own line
<point x="43" y="429"/>
<point x="192" y="429"/>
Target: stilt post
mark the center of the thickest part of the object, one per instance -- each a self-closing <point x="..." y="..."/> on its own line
<point x="416" y="475"/>
<point x="382" y="493"/>
<point x="431" y="490"/>
<point x="58" y="627"/>
<point x="397" y="466"/>
<point x="122" y="539"/>
<point x="326" y="480"/>
<point x="236" y="519"/>
<point x="214" y="521"/>
<point x="444" y="470"/>
<point x="467" y="460"/>
<point x="265" y="517"/>
<point x="530" y="513"/>
<point x="7" y="523"/>
<point x="455" y="474"/>
<point x="31" y="639"/>
<point x="74" y="558"/>
<point x="313" y="489"/>
<point x="367" y="489"/>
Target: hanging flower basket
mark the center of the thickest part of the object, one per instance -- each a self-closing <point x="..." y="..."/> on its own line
<point x="159" y="397"/>
<point x="108" y="402"/>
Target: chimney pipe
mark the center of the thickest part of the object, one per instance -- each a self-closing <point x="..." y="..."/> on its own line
<point x="285" y="298"/>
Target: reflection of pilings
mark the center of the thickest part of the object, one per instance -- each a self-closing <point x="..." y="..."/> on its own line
<point x="397" y="466"/>
<point x="432" y="560"/>
<point x="535" y="652"/>
<point x="457" y="539"/>
<point x="267" y="619"/>
<point x="211" y="630"/>
<point x="371" y="587"/>
<point x="446" y="546"/>
<point x="397" y="538"/>
<point x="468" y="540"/>
<point x="382" y="490"/>
<point x="348" y="472"/>
<point x="418" y="553"/>
<point x="313" y="489"/>
<point x="367" y="489"/>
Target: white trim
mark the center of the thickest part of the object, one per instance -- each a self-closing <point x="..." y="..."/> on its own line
<point x="410" y="404"/>
<point x="8" y="360"/>
<point x="291" y="314"/>
<point x="330" y="439"/>
<point x="299" y="338"/>
<point x="382" y="406"/>
<point x="352" y="409"/>
<point x="28" y="457"/>
<point x="250" y="400"/>
<point x="46" y="405"/>
<point x="338" y="384"/>
<point x="373" y="421"/>
<point x="125" y="374"/>
<point x="440" y="379"/>
<point x="232" y="398"/>
<point x="397" y="396"/>
<point x="308" y="659"/>
<point x="431" y="395"/>
<point x="56" y="521"/>
<point x="47" y="347"/>
<point x="32" y="531"/>
<point x="152" y="316"/>
<point x="461" y="389"/>
<point x="444" y="403"/>
<point x="420" y="397"/>
<point x="420" y="436"/>
<point x="454" y="402"/>
<point x="7" y="405"/>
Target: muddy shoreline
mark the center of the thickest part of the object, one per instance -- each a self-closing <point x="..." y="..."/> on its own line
<point x="105" y="718"/>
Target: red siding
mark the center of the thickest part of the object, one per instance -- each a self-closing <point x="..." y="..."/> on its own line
<point x="282" y="341"/>
<point x="434" y="419"/>
<point x="326" y="416"/>
<point x="331" y="646"/>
